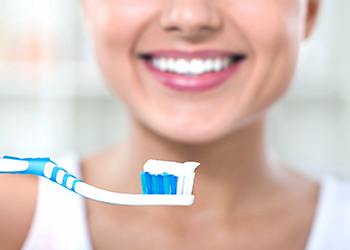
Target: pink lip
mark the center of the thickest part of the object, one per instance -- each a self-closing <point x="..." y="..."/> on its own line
<point x="198" y="83"/>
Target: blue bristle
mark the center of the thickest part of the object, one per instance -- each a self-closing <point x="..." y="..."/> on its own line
<point x="148" y="183"/>
<point x="166" y="183"/>
<point x="143" y="183"/>
<point x="155" y="186"/>
<point x="173" y="182"/>
<point x="160" y="184"/>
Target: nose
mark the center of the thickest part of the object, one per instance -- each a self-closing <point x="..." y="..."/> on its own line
<point x="191" y="19"/>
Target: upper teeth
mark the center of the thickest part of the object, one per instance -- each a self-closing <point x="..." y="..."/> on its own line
<point x="193" y="66"/>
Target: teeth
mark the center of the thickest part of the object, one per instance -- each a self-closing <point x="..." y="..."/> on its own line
<point x="171" y="63"/>
<point x="182" y="66"/>
<point x="163" y="64"/>
<point x="217" y="65"/>
<point x="196" y="67"/>
<point x="193" y="67"/>
<point x="208" y="64"/>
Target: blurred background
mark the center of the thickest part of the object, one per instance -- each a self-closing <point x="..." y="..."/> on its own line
<point x="53" y="100"/>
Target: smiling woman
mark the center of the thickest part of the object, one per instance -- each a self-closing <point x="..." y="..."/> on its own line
<point x="198" y="78"/>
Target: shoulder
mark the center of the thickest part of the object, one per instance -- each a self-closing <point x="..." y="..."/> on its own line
<point x="18" y="194"/>
<point x="332" y="219"/>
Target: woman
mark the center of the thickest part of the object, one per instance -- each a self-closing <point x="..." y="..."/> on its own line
<point x="161" y="59"/>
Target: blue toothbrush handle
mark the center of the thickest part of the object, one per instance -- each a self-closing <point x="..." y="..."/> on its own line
<point x="45" y="167"/>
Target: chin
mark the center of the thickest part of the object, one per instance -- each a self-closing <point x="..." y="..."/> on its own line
<point x="195" y="134"/>
<point x="192" y="137"/>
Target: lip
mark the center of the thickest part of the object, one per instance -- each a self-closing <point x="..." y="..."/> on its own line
<point x="197" y="83"/>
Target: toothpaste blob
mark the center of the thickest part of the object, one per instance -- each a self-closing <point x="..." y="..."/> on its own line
<point x="168" y="177"/>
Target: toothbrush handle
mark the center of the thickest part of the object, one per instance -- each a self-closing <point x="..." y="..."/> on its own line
<point x="43" y="167"/>
<point x="48" y="169"/>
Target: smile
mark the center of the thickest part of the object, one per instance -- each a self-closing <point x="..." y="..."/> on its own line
<point x="192" y="71"/>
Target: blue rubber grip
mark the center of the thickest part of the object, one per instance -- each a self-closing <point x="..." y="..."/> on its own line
<point x="37" y="167"/>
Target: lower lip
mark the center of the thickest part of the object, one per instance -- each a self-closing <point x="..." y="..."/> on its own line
<point x="198" y="83"/>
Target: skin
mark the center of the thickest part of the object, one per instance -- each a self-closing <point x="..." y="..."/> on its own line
<point x="241" y="192"/>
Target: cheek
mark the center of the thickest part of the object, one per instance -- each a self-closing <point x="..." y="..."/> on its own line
<point x="116" y="26"/>
<point x="269" y="24"/>
<point x="118" y="22"/>
<point x="270" y="29"/>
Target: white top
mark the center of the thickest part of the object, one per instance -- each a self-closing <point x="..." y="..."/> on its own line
<point x="331" y="227"/>
<point x="60" y="223"/>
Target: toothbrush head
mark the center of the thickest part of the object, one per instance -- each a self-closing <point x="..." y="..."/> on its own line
<point x="168" y="178"/>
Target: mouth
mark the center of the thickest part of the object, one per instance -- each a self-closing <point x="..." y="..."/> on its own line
<point x="192" y="71"/>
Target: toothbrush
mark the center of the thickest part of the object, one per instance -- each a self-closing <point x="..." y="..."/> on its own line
<point x="163" y="182"/>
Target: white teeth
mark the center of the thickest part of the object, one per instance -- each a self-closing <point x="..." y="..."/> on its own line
<point x="194" y="67"/>
<point x="162" y="64"/>
<point x="208" y="64"/>
<point x="217" y="64"/>
<point x="197" y="67"/>
<point x="171" y="63"/>
<point x="182" y="66"/>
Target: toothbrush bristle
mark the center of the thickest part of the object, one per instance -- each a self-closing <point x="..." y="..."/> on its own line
<point x="170" y="178"/>
<point x="158" y="184"/>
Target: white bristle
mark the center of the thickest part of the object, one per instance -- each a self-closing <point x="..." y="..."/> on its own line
<point x="185" y="186"/>
<point x="180" y="183"/>
<point x="190" y="185"/>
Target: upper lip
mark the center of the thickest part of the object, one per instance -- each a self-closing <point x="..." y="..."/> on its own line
<point x="201" y="54"/>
